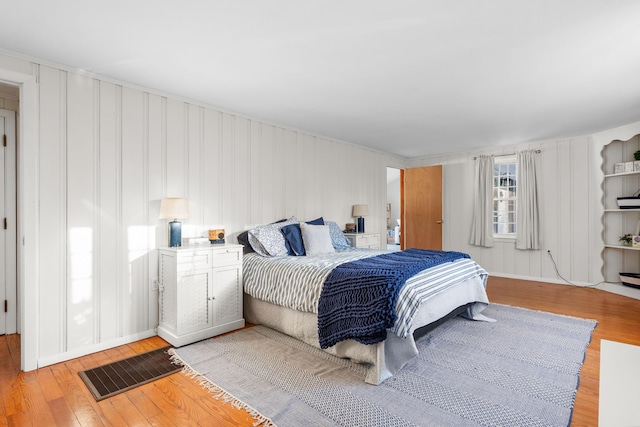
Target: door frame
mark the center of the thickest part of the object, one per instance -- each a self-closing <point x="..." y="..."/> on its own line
<point x="27" y="211"/>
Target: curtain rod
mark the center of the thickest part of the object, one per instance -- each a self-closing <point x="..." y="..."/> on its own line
<point x="512" y="154"/>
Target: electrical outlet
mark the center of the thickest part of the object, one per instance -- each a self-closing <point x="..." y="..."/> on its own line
<point x="154" y="284"/>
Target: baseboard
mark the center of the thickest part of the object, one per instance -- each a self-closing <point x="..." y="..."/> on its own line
<point x="614" y="288"/>
<point x="94" y="348"/>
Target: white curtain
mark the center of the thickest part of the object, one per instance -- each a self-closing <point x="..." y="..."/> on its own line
<point x="482" y="225"/>
<point x="528" y="223"/>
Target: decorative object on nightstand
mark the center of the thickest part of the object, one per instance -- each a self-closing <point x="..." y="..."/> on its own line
<point x="200" y="292"/>
<point x="216" y="237"/>
<point x="174" y="208"/>
<point x="360" y="211"/>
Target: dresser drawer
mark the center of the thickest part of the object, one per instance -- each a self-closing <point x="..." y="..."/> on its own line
<point x="226" y="256"/>
<point x="364" y="240"/>
<point x="196" y="259"/>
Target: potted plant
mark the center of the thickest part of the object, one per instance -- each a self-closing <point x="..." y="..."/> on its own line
<point x="636" y="155"/>
<point x="626" y="239"/>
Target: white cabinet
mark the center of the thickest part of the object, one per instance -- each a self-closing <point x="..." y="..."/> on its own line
<point x="200" y="292"/>
<point x="364" y="240"/>
<point x="618" y="222"/>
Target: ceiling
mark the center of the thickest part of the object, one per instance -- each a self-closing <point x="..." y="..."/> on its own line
<point x="411" y="78"/>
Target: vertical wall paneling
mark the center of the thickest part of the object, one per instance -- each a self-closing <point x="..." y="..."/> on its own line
<point x="227" y="176"/>
<point x="240" y="205"/>
<point x="81" y="204"/>
<point x="109" y="208"/>
<point x="52" y="226"/>
<point x="212" y="172"/>
<point x="580" y="212"/>
<point x="176" y="146"/>
<point x="264" y="175"/>
<point x="134" y="214"/>
<point x="255" y="163"/>
<point x="279" y="177"/>
<point x="549" y="195"/>
<point x="290" y="169"/>
<point x="564" y="213"/>
<point x="195" y="160"/>
<point x="155" y="191"/>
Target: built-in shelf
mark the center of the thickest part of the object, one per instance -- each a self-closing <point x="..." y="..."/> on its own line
<point x="617" y="257"/>
<point x="629" y="248"/>
<point x="622" y="174"/>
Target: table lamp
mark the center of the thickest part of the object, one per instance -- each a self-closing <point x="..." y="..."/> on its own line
<point x="174" y="208"/>
<point x="359" y="211"/>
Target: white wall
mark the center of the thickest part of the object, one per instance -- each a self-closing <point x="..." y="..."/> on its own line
<point x="565" y="214"/>
<point x="106" y="153"/>
<point x="570" y="191"/>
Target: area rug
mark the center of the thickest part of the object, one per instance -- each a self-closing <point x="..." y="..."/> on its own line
<point x="522" y="370"/>
<point x="117" y="377"/>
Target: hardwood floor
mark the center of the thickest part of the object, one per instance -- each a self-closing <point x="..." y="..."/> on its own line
<point x="56" y="396"/>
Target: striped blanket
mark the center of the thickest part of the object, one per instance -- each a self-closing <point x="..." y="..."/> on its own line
<point x="296" y="282"/>
<point x="358" y="299"/>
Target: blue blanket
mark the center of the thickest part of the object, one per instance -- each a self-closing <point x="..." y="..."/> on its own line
<point x="358" y="298"/>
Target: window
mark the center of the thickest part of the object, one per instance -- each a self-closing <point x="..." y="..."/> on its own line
<point x="504" y="196"/>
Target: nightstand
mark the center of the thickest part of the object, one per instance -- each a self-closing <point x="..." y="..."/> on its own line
<point x="364" y="240"/>
<point x="200" y="292"/>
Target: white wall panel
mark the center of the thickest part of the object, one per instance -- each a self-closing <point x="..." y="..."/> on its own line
<point x="176" y="148"/>
<point x="109" y="206"/>
<point x="580" y="209"/>
<point x="212" y="169"/>
<point x="195" y="163"/>
<point x="238" y="209"/>
<point x="81" y="202"/>
<point x="133" y="230"/>
<point x="157" y="235"/>
<point x="52" y="254"/>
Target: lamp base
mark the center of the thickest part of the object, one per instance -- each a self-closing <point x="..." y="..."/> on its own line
<point x="361" y="225"/>
<point x="175" y="234"/>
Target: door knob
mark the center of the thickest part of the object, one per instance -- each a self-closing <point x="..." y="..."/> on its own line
<point x="439" y="222"/>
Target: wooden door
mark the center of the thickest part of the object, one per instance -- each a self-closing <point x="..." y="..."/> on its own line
<point x="422" y="225"/>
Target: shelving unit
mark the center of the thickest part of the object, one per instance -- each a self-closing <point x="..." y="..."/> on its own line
<point x="617" y="222"/>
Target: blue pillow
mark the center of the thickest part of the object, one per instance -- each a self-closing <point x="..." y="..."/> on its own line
<point x="317" y="221"/>
<point x="293" y="237"/>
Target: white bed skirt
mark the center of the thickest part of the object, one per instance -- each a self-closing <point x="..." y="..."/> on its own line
<point x="385" y="358"/>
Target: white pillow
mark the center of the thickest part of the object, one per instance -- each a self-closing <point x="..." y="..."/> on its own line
<point x="316" y="239"/>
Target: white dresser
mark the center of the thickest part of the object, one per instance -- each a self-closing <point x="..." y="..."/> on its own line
<point x="364" y="240"/>
<point x="200" y="292"/>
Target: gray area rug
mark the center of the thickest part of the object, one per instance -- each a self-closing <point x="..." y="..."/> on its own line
<point x="522" y="370"/>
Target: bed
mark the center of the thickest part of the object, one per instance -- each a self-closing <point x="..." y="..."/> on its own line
<point x="283" y="292"/>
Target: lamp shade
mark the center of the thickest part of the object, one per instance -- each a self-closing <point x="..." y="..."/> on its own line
<point x="174" y="208"/>
<point x="360" y="210"/>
